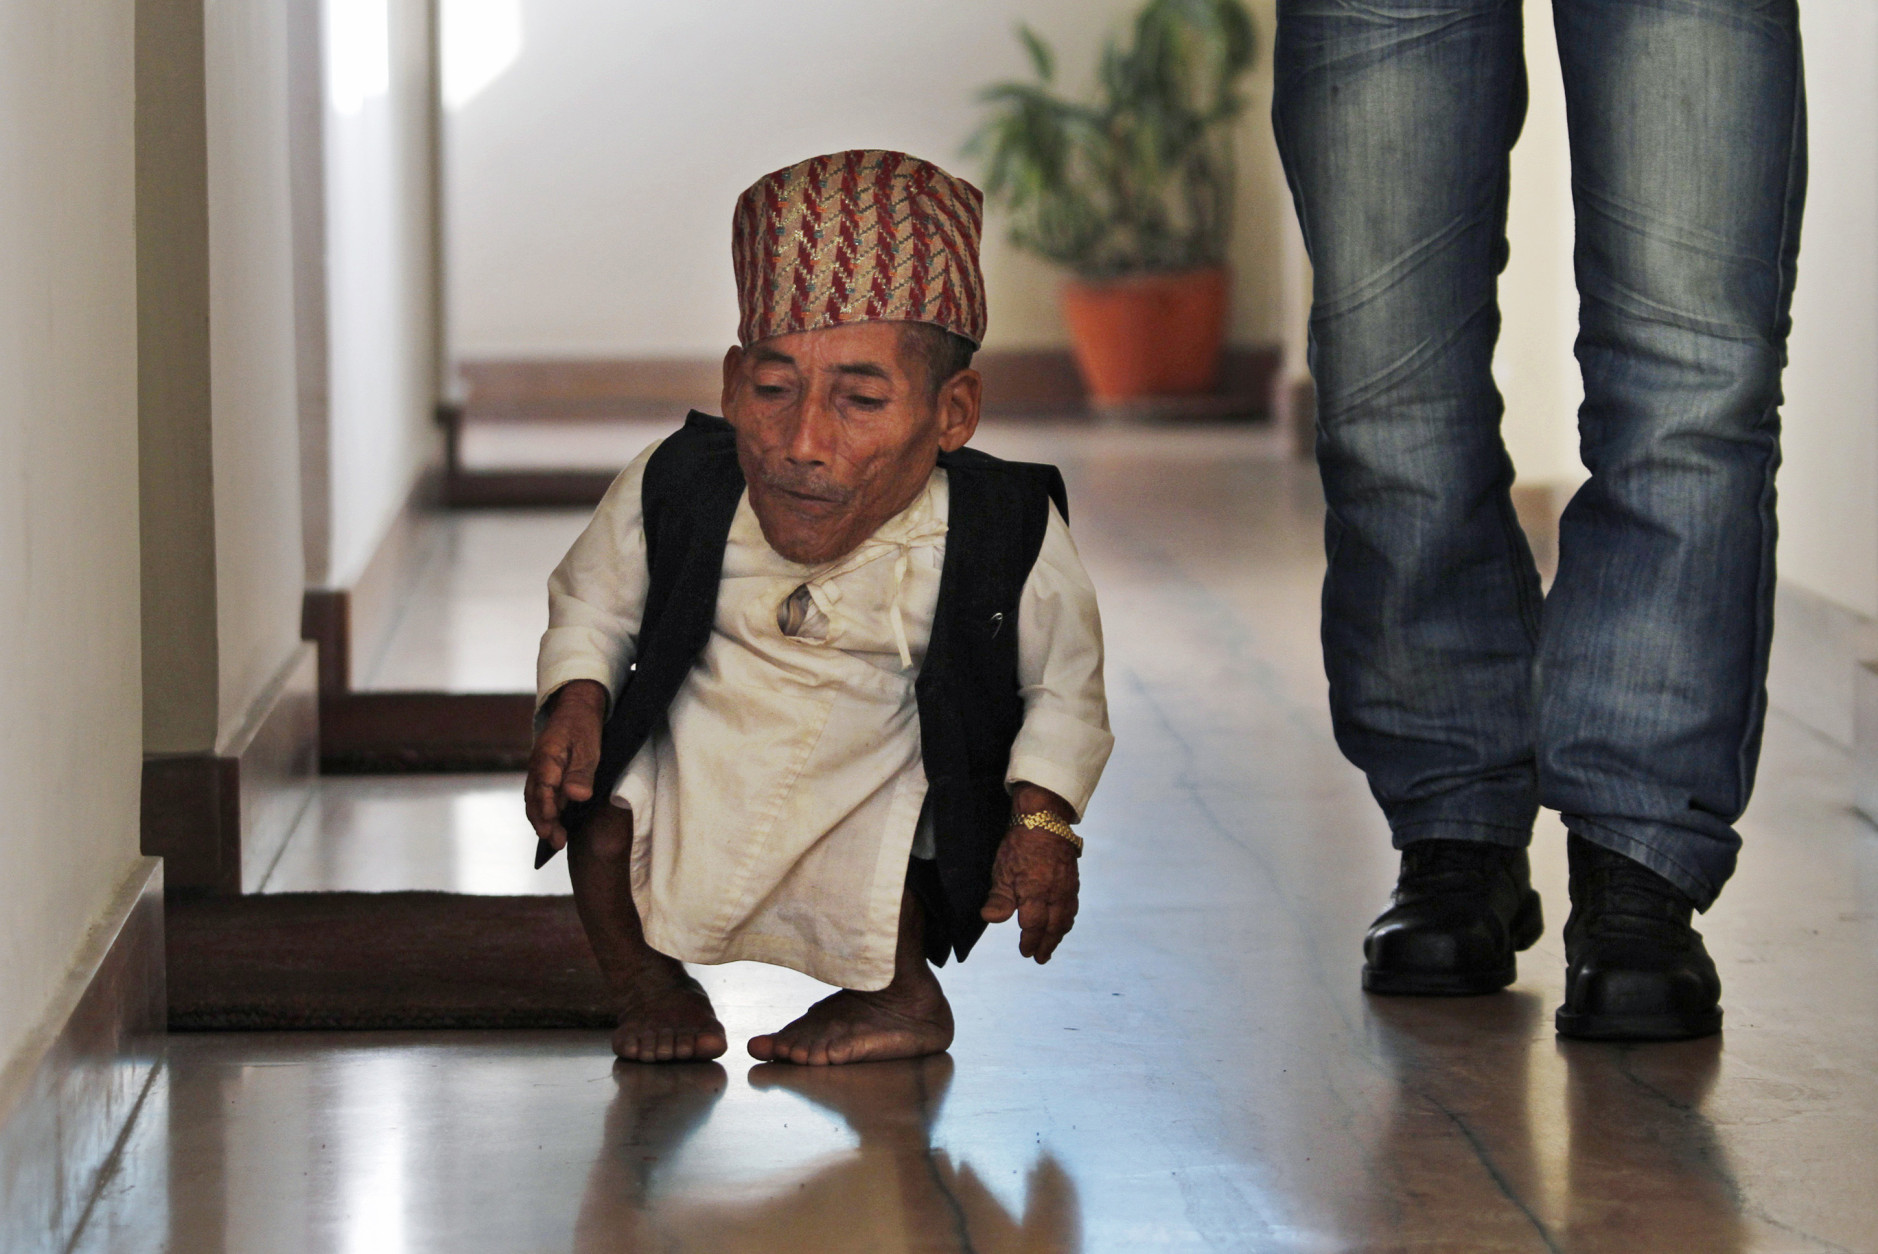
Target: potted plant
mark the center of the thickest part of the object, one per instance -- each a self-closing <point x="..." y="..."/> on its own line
<point x="1132" y="193"/>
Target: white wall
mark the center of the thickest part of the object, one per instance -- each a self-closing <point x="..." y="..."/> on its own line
<point x="70" y="690"/>
<point x="382" y="360"/>
<point x="1533" y="365"/>
<point x="259" y="565"/>
<point x="1829" y="482"/>
<point x="221" y="551"/>
<point x="590" y="185"/>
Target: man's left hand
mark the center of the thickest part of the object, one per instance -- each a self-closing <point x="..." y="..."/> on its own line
<point x="1035" y="877"/>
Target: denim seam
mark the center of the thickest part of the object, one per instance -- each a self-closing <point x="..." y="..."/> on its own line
<point x="1748" y="752"/>
<point x="1517" y="545"/>
<point x="1498" y="827"/>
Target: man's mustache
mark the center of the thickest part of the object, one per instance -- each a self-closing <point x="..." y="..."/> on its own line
<point x="806" y="483"/>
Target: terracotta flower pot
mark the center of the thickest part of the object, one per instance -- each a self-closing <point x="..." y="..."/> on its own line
<point x="1148" y="335"/>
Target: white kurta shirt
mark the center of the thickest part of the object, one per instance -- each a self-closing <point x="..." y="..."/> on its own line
<point x="775" y="810"/>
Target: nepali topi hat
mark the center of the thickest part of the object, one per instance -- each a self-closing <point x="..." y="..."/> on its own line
<point x="858" y="236"/>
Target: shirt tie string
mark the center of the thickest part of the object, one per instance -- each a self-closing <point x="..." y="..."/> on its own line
<point x="900" y="566"/>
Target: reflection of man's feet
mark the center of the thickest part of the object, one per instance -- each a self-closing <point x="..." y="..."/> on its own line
<point x="883" y="1102"/>
<point x="658" y="1107"/>
<point x="665" y="1015"/>
<point x="655" y="1111"/>
<point x="907" y="1019"/>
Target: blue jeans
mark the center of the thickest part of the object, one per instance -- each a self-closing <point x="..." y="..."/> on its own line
<point x="1631" y="698"/>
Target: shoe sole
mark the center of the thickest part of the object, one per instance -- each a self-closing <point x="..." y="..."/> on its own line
<point x="1595" y="1027"/>
<point x="1528" y="925"/>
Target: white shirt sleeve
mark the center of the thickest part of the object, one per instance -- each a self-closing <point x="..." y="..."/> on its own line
<point x="597" y="595"/>
<point x="1065" y="741"/>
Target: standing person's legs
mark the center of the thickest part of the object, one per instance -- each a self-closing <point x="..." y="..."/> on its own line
<point x="1395" y="119"/>
<point x="1688" y="171"/>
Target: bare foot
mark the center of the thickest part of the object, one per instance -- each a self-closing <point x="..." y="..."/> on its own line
<point x="665" y="1016"/>
<point x="907" y="1019"/>
<point x="861" y="1027"/>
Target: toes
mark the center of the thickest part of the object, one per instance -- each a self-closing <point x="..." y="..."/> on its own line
<point x="673" y="1044"/>
<point x="762" y="1048"/>
<point x="701" y="1045"/>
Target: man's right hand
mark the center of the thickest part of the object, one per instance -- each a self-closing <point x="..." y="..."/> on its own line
<point x="560" y="769"/>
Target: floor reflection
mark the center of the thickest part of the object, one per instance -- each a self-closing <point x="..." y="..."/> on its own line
<point x="892" y="1192"/>
<point x="1458" y="1151"/>
<point x="1527" y="1142"/>
<point x="388" y="833"/>
<point x="1646" y="1163"/>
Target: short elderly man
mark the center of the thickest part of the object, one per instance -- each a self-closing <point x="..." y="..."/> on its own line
<point x="839" y="678"/>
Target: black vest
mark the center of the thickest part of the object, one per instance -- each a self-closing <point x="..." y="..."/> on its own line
<point x="969" y="707"/>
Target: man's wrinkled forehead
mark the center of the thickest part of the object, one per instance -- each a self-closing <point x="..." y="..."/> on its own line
<point x="874" y="360"/>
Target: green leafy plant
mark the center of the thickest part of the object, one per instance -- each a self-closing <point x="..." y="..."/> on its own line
<point x="1142" y="179"/>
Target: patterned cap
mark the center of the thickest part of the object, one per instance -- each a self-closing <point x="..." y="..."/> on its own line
<point x="858" y="236"/>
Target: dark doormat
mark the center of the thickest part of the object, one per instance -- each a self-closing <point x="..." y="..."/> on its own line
<point x="316" y="961"/>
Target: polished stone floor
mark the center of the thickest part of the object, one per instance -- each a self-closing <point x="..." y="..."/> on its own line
<point x="1196" y="1070"/>
<point x="444" y="833"/>
<point x="477" y="604"/>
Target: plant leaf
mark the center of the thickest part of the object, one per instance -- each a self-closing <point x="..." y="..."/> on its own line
<point x="1142" y="176"/>
<point x="1041" y="58"/>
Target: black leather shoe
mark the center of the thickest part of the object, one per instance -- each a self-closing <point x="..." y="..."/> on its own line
<point x="1462" y="909"/>
<point x="1634" y="968"/>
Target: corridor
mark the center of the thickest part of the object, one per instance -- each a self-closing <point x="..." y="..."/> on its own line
<point x="1197" y="1068"/>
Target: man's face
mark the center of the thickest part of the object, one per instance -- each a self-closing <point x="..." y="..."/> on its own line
<point x="837" y="431"/>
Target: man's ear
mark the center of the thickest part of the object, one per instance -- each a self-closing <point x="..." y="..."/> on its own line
<point x="960" y="401"/>
<point x="733" y="376"/>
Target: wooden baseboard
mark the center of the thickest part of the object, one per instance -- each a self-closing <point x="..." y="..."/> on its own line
<point x="349" y="625"/>
<point x="192" y="819"/>
<point x="67" y="1099"/>
<point x="219" y="819"/>
<point x="526" y="489"/>
<point x="1017" y="382"/>
<point x="511" y="489"/>
<point x="599" y="386"/>
<point x="381" y="732"/>
<point x="326" y="624"/>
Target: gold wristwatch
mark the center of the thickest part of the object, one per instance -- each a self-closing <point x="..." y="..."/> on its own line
<point x="1044" y="821"/>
